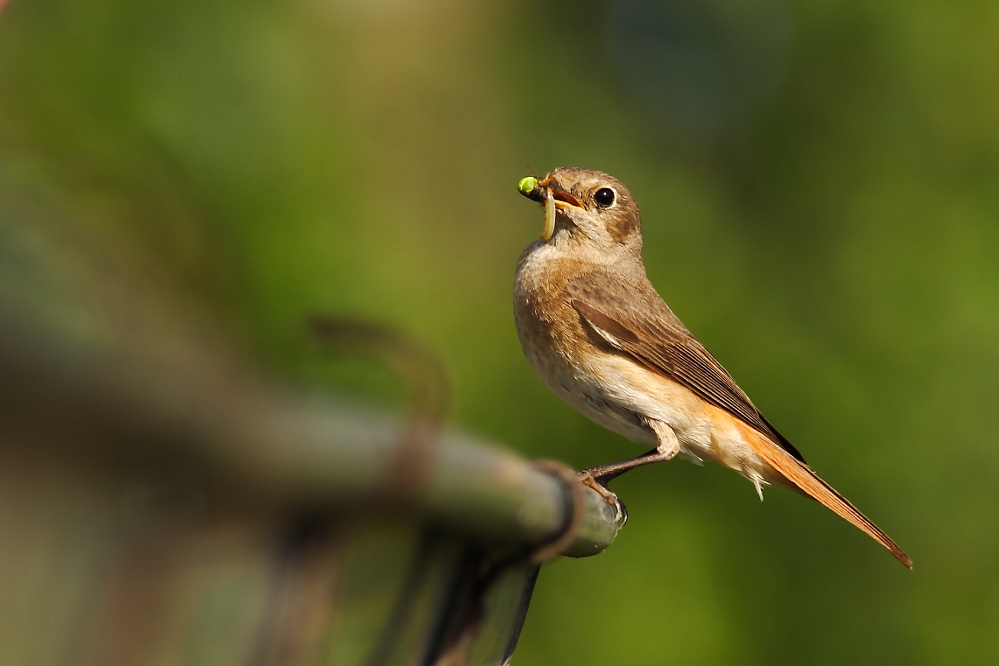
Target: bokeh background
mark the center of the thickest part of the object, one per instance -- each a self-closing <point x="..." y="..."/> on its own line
<point x="820" y="189"/>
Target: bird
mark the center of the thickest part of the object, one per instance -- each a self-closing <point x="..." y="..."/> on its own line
<point x="601" y="337"/>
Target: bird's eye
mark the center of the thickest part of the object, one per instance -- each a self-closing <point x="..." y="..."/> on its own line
<point x="604" y="197"/>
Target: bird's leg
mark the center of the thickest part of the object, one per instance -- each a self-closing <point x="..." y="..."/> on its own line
<point x="598" y="477"/>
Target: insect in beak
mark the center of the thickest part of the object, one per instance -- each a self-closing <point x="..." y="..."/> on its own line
<point x="548" y="192"/>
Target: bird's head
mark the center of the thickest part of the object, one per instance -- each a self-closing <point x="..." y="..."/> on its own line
<point x="586" y="210"/>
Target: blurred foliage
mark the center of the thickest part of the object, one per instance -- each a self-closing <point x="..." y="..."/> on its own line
<point x="820" y="189"/>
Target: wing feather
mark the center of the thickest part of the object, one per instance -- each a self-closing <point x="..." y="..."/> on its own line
<point x="645" y="328"/>
<point x="636" y="321"/>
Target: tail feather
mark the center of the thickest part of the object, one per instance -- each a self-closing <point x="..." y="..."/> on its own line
<point x="804" y="479"/>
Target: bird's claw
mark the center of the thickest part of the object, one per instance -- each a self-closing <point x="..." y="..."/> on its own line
<point x="587" y="478"/>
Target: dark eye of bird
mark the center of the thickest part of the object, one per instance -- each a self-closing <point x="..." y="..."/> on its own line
<point x="604" y="197"/>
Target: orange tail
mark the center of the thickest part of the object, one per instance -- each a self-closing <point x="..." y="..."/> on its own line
<point x="805" y="479"/>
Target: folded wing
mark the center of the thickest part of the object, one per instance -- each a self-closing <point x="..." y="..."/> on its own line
<point x="646" y="329"/>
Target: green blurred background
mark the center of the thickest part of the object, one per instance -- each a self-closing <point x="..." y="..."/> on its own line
<point x="820" y="189"/>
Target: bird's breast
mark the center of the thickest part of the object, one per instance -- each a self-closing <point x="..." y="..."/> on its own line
<point x="563" y="351"/>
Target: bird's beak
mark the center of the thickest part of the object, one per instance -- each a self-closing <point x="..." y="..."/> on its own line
<point x="563" y="198"/>
<point x="537" y="190"/>
<point x="549" y="192"/>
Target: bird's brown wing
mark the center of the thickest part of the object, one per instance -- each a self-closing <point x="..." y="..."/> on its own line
<point x="635" y="320"/>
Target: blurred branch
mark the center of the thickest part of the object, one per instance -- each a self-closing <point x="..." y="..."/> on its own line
<point x="425" y="377"/>
<point x="135" y="397"/>
<point x="418" y="366"/>
<point x="195" y="468"/>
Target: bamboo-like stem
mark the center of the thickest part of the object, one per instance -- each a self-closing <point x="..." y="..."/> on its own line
<point x="122" y="404"/>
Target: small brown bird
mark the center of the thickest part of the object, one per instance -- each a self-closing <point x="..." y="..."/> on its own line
<point x="595" y="330"/>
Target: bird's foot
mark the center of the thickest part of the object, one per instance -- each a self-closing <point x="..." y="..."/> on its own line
<point x="589" y="477"/>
